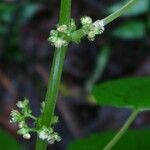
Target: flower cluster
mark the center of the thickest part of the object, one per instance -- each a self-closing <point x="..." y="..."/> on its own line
<point x="90" y="28"/>
<point x="48" y="135"/>
<point x="60" y="37"/>
<point x="20" y="117"/>
<point x="64" y="34"/>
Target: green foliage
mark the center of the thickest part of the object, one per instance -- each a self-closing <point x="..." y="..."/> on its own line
<point x="29" y="10"/>
<point x="140" y="8"/>
<point x="129" y="93"/>
<point x="10" y="26"/>
<point x="130" y="30"/>
<point x="6" y="12"/>
<point x="7" y="142"/>
<point x="5" y="17"/>
<point x="132" y="140"/>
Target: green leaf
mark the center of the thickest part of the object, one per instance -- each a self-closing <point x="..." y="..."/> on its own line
<point x="140" y="8"/>
<point x="132" y="140"/>
<point x="130" y="30"/>
<point x="7" y="142"/>
<point x="128" y="93"/>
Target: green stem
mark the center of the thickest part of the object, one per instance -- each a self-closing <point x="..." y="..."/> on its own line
<point x="119" y="12"/>
<point x="101" y="62"/>
<point x="122" y="130"/>
<point x="32" y="117"/>
<point x="55" y="76"/>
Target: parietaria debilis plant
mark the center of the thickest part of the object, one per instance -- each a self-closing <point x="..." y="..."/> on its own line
<point x="66" y="32"/>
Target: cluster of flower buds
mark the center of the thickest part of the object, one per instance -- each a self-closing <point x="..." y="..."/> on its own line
<point x="64" y="34"/>
<point x="60" y="37"/>
<point x="20" y="117"/>
<point x="90" y="28"/>
<point x="48" y="135"/>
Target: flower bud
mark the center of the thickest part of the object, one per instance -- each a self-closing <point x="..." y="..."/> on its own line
<point x="86" y="20"/>
<point x="27" y="136"/>
<point x="99" y="24"/>
<point x="62" y="28"/>
<point x="60" y="43"/>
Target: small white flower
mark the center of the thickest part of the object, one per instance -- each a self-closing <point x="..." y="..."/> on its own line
<point x="91" y="35"/>
<point x="22" y="104"/>
<point x="24" y="132"/>
<point x="22" y="124"/>
<point x="54" y="33"/>
<point x="60" y="43"/>
<point x="44" y="133"/>
<point x="99" y="24"/>
<point x="51" y="141"/>
<point x="49" y="135"/>
<point x="53" y="137"/>
<point x="86" y="20"/>
<point x="27" y="136"/>
<point x="62" y="28"/>
<point x="52" y="39"/>
<point x="57" y="137"/>
<point x="15" y="116"/>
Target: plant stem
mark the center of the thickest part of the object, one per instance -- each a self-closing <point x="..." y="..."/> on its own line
<point x="55" y="76"/>
<point x="119" y="12"/>
<point x="101" y="63"/>
<point x="32" y="117"/>
<point x="122" y="130"/>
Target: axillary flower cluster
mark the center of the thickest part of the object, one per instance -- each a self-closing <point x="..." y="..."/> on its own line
<point x="21" y="117"/>
<point x="64" y="34"/>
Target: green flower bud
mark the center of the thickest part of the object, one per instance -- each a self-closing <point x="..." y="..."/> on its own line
<point x="86" y="20"/>
<point x="62" y="28"/>
<point x="15" y="116"/>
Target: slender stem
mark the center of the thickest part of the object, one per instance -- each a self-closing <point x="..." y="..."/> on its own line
<point x="55" y="76"/>
<point x="119" y="12"/>
<point x="101" y="63"/>
<point x="32" y="117"/>
<point x="122" y="130"/>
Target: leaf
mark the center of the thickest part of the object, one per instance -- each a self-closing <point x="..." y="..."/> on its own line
<point x="132" y="140"/>
<point x="7" y="142"/>
<point x="128" y="93"/>
<point x="139" y="8"/>
<point x="130" y="30"/>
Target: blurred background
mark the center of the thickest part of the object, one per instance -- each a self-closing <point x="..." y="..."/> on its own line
<point x="26" y="56"/>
